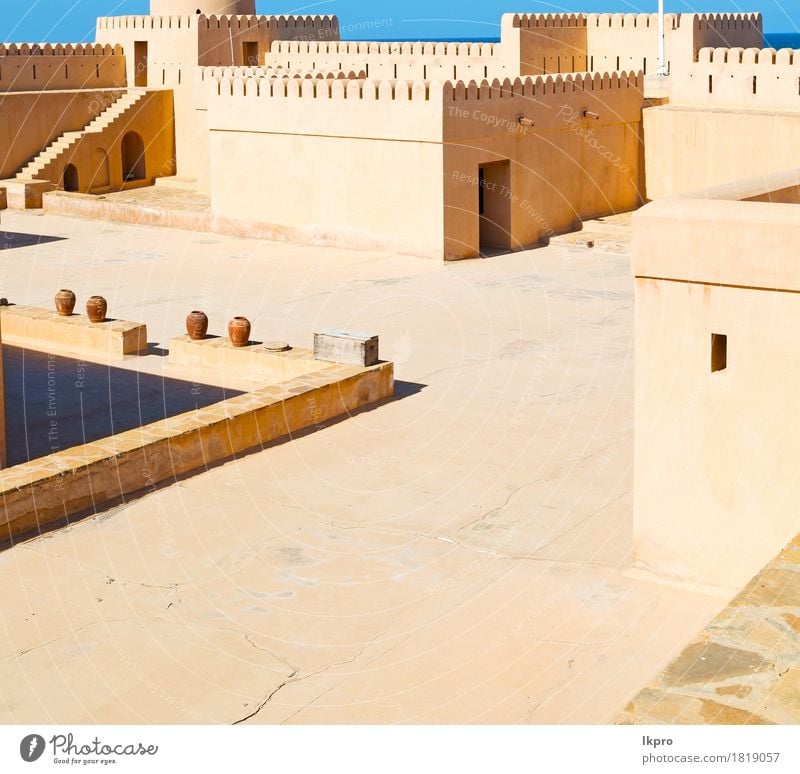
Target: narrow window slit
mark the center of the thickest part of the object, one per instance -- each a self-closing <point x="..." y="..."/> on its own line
<point x="719" y="352"/>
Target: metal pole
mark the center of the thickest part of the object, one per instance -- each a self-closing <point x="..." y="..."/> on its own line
<point x="662" y="64"/>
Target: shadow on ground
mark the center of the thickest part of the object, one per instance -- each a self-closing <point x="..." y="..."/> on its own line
<point x="53" y="402"/>
<point x="10" y="240"/>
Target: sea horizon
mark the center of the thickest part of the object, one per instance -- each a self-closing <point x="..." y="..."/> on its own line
<point x="771" y="40"/>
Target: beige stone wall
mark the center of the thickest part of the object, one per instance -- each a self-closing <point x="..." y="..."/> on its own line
<point x="746" y="78"/>
<point x="34" y="67"/>
<point x="172" y="46"/>
<point x="564" y="169"/>
<point x="223" y="38"/>
<point x="689" y="148"/>
<point x="630" y="41"/>
<point x="29" y="121"/>
<point x="384" y="60"/>
<point x="715" y="452"/>
<point x="609" y="42"/>
<point x="178" y="44"/>
<point x="534" y="44"/>
<point x="397" y="164"/>
<point x="330" y="159"/>
<point x="745" y="30"/>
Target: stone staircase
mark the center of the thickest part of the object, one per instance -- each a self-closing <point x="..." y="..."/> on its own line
<point x="36" y="168"/>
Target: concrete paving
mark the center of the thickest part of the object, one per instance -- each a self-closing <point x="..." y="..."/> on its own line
<point x="458" y="554"/>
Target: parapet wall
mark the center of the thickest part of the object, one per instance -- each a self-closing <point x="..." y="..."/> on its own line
<point x="384" y="60"/>
<point x="145" y="22"/>
<point x="741" y="78"/>
<point x="44" y="67"/>
<point x="385" y="48"/>
<point x="212" y="40"/>
<point x="727" y="29"/>
<point x="221" y="38"/>
<point x="547" y="20"/>
<point x="534" y="44"/>
<point x="549" y="43"/>
<point x="431" y="111"/>
<point x="337" y="107"/>
<point x="396" y="162"/>
<point x="621" y="41"/>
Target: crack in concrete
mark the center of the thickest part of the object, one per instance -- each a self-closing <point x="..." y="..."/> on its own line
<point x="266" y="700"/>
<point x="283" y="661"/>
<point x="25" y="652"/>
<point x="509" y="498"/>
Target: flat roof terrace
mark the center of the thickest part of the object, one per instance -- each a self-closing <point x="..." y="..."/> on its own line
<point x="458" y="555"/>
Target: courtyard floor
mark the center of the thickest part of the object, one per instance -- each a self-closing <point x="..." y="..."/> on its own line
<point x="458" y="554"/>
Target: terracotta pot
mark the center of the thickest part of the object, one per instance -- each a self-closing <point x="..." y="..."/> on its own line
<point x="96" y="308"/>
<point x="65" y="302"/>
<point x="239" y="331"/>
<point x="196" y="325"/>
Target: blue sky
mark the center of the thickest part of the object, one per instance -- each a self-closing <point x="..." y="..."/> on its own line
<point x="73" y="20"/>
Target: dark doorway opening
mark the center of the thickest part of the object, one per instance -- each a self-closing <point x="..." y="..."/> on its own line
<point x="71" y="182"/>
<point x="250" y="54"/>
<point x="140" y="63"/>
<point x="494" y="206"/>
<point x="133" y="162"/>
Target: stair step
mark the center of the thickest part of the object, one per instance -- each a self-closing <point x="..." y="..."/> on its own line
<point x="100" y="122"/>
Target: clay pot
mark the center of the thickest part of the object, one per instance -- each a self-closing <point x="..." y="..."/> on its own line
<point x="65" y="302"/>
<point x="239" y="331"/>
<point x="96" y="308"/>
<point x="196" y="325"/>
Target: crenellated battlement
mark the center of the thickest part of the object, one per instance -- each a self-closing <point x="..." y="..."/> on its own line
<point x="727" y="21"/>
<point x="228" y="83"/>
<point x="750" y="78"/>
<point x="57" y="49"/>
<point x="147" y="22"/>
<point x="747" y="56"/>
<point x="632" y="20"/>
<point x="528" y="20"/>
<point x="58" y="67"/>
<point x="319" y="87"/>
<point x="540" y="86"/>
<point x="310" y="24"/>
<point x="377" y="48"/>
<point x="206" y="75"/>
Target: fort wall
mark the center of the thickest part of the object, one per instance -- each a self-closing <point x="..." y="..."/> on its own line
<point x="581" y="159"/>
<point x="715" y="443"/>
<point x="741" y="78"/>
<point x="400" y="162"/>
<point x="535" y="44"/>
<point x="560" y="43"/>
<point x="45" y="67"/>
<point x="388" y="61"/>
<point x="740" y="106"/>
<point x="164" y="52"/>
<point x="330" y="160"/>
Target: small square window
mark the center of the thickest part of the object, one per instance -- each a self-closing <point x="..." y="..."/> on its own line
<point x="719" y="352"/>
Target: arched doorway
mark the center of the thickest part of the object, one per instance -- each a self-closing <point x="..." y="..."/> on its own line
<point x="100" y="178"/>
<point x="71" y="182"/>
<point x="133" y="162"/>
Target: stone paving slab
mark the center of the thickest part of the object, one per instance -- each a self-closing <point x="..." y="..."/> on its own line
<point x="745" y="665"/>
